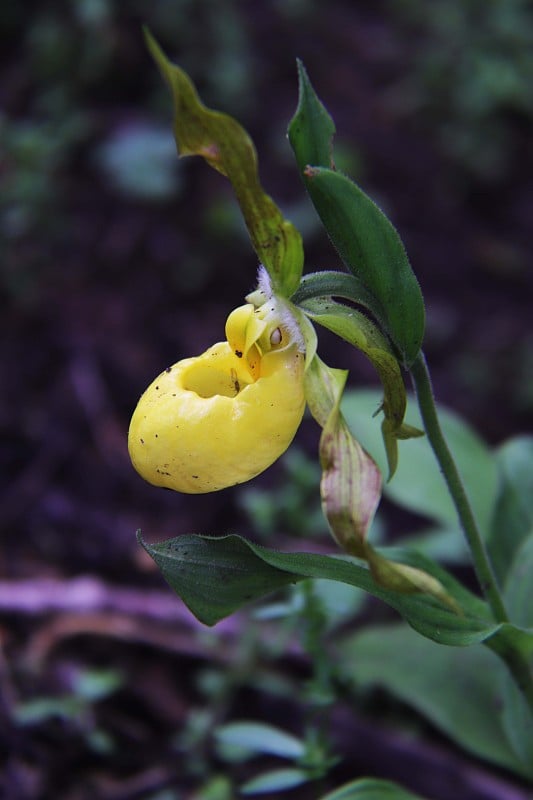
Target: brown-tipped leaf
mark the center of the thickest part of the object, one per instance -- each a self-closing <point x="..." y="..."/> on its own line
<point x="226" y="146"/>
<point x="406" y="579"/>
<point x="350" y="488"/>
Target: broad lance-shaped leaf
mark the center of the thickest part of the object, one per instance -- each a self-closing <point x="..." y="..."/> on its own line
<point x="458" y="691"/>
<point x="366" y="240"/>
<point x="353" y="326"/>
<point x="217" y="576"/>
<point x="226" y="146"/>
<point x="312" y="129"/>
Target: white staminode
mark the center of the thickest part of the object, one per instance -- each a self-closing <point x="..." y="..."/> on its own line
<point x="263" y="282"/>
<point x="290" y="324"/>
<point x="279" y="310"/>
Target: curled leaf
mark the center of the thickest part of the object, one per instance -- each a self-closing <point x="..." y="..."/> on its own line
<point x="227" y="147"/>
<point x="323" y="389"/>
<point x="216" y="576"/>
<point x="350" y="487"/>
<point x="406" y="579"/>
<point x="354" y="326"/>
<point x="333" y="283"/>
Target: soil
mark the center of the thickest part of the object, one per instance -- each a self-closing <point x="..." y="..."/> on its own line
<point x="103" y="288"/>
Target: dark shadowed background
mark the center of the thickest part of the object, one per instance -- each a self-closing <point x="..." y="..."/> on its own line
<point x="116" y="261"/>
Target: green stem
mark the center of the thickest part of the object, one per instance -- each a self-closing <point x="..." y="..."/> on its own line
<point x="482" y="565"/>
<point x="516" y="663"/>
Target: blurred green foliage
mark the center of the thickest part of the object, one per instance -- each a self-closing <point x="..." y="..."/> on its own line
<point x="306" y="613"/>
<point x="139" y="159"/>
<point x="76" y="707"/>
<point x="293" y="506"/>
<point x="74" y="69"/>
<point x="74" y="63"/>
<point x="470" y="75"/>
<point x="35" y="152"/>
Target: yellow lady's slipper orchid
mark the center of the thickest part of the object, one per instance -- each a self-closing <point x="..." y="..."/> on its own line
<point x="221" y="418"/>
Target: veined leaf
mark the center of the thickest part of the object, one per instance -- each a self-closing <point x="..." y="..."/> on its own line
<point x="216" y="576"/>
<point x="457" y="689"/>
<point x="418" y="484"/>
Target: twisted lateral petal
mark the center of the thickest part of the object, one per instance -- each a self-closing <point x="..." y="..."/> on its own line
<point x="216" y="420"/>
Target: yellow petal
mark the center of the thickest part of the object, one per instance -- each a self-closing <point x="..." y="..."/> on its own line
<point x="243" y="329"/>
<point x="209" y="422"/>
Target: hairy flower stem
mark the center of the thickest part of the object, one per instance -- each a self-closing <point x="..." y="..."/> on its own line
<point x="482" y="565"/>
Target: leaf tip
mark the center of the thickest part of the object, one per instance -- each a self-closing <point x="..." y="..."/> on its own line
<point x="151" y="42"/>
<point x="157" y="53"/>
<point x="311" y="172"/>
<point x="140" y="540"/>
<point x="303" y="78"/>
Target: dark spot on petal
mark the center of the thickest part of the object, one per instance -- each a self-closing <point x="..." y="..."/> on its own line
<point x="238" y="353"/>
